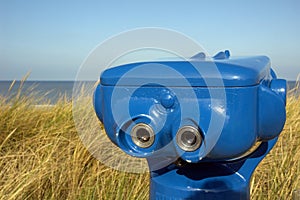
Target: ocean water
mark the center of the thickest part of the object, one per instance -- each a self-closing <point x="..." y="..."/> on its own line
<point x="52" y="91"/>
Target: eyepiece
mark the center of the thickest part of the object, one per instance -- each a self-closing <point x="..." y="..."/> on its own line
<point x="142" y="135"/>
<point x="188" y="138"/>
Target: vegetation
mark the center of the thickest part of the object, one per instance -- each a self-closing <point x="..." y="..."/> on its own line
<point x="42" y="157"/>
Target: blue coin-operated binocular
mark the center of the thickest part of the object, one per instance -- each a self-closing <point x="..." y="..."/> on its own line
<point x="203" y="124"/>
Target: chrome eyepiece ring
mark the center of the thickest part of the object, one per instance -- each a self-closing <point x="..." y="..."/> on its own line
<point x="188" y="138"/>
<point x="142" y="135"/>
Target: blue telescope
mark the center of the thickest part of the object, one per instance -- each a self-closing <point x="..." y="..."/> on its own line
<point x="203" y="123"/>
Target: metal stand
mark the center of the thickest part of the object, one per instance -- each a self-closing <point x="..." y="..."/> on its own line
<point x="214" y="180"/>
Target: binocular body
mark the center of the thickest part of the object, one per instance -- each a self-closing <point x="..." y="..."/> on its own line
<point x="203" y="124"/>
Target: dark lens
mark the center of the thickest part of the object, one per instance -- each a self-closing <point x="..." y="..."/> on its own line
<point x="143" y="135"/>
<point x="188" y="138"/>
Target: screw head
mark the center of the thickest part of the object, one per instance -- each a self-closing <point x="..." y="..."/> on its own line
<point x="167" y="100"/>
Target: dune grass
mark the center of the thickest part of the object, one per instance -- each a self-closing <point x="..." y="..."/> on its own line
<point x="42" y="157"/>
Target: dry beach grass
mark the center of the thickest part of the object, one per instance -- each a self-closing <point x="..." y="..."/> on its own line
<point x="42" y="157"/>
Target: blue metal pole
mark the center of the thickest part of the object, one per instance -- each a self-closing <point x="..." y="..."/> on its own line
<point x="209" y="181"/>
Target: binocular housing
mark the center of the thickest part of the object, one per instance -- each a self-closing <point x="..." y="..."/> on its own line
<point x="178" y="106"/>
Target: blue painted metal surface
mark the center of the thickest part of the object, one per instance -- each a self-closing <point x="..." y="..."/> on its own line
<point x="164" y="98"/>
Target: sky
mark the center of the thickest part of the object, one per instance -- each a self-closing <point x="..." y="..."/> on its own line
<point x="51" y="38"/>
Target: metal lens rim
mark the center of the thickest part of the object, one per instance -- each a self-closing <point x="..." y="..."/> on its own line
<point x="185" y="146"/>
<point x="135" y="138"/>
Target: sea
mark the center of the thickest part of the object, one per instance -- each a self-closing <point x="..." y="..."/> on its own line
<point x="52" y="91"/>
<point x="46" y="92"/>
